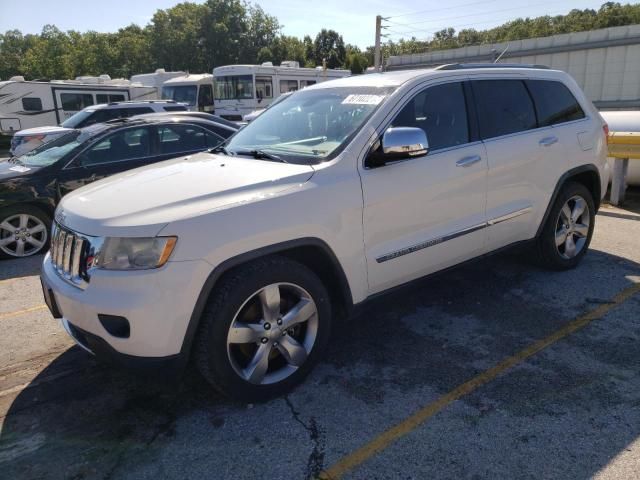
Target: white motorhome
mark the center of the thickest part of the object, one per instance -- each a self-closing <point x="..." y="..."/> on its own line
<point x="196" y="90"/>
<point x="241" y="89"/>
<point x="30" y="104"/>
<point x="157" y="78"/>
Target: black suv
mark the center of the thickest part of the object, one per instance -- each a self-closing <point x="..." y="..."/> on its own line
<point x="33" y="184"/>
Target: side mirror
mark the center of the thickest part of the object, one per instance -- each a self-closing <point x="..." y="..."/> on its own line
<point x="398" y="143"/>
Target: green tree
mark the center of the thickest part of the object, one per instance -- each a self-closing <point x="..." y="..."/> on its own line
<point x="329" y="46"/>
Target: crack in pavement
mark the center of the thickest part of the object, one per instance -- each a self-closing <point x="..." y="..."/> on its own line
<point x="316" y="457"/>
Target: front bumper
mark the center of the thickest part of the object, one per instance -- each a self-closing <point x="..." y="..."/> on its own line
<point x="158" y="305"/>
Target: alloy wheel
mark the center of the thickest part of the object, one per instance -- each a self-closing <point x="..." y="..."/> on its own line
<point x="272" y="334"/>
<point x="22" y="235"/>
<point x="572" y="227"/>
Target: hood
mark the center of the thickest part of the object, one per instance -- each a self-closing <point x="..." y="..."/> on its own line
<point x="11" y="171"/>
<point x="42" y="131"/>
<point x="141" y="202"/>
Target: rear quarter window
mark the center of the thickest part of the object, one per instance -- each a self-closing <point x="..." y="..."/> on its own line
<point x="554" y="102"/>
<point x="31" y="104"/>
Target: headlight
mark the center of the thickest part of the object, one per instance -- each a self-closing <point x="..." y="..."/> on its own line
<point x="135" y="253"/>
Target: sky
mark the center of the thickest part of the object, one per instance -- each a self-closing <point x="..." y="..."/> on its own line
<point x="355" y="21"/>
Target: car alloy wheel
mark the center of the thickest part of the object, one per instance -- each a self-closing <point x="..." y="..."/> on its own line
<point x="272" y="333"/>
<point x="22" y="235"/>
<point x="572" y="227"/>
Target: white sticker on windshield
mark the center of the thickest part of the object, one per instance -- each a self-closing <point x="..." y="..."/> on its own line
<point x="363" y="100"/>
<point x="19" y="168"/>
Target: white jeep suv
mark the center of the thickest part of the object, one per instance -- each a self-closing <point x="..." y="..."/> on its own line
<point x="242" y="258"/>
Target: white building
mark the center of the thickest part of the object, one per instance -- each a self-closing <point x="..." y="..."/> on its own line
<point x="605" y="63"/>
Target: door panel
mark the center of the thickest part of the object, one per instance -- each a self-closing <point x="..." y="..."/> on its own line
<point x="425" y="214"/>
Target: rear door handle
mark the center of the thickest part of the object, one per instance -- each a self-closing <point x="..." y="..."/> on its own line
<point x="548" y="141"/>
<point x="468" y="161"/>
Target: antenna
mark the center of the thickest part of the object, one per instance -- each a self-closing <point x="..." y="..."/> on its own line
<point x="500" y="56"/>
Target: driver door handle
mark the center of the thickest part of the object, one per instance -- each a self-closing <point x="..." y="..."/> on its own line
<point x="468" y="161"/>
<point x="548" y="141"/>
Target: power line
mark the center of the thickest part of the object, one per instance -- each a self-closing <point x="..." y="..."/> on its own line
<point x="442" y="9"/>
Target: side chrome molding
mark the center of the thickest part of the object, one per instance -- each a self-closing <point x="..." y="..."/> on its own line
<point x="438" y="240"/>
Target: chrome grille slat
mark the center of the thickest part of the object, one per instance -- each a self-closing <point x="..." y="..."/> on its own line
<point x="69" y="254"/>
<point x="77" y="256"/>
<point x="66" y="256"/>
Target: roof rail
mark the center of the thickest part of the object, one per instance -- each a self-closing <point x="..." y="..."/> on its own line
<point x="467" y="66"/>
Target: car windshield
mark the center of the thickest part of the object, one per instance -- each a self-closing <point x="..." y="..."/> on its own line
<point x="231" y="87"/>
<point x="310" y="125"/>
<point x="180" y="93"/>
<point x="51" y="152"/>
<point x="76" y="119"/>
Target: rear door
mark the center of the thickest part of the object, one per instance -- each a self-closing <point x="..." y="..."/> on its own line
<point x="521" y="156"/>
<point x="122" y="150"/>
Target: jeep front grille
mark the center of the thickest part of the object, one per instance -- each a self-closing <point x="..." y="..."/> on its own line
<point x="69" y="255"/>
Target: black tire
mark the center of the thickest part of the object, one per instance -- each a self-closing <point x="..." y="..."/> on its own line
<point x="550" y="255"/>
<point x="8" y="213"/>
<point x="229" y="297"/>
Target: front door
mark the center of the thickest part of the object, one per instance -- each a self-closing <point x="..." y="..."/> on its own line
<point x="425" y="214"/>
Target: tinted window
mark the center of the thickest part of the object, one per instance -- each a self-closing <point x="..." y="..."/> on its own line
<point x="223" y="132"/>
<point x="102" y="115"/>
<point x="175" y="108"/>
<point x="205" y="96"/>
<point x="264" y="87"/>
<point x="76" y="101"/>
<point x="504" y="107"/>
<point x="288" y="86"/>
<point x="306" y="83"/>
<point x="108" y="98"/>
<point x="554" y="102"/>
<point x="122" y="145"/>
<point x="441" y="112"/>
<point x="181" y="138"/>
<point x="31" y="104"/>
<point x="138" y="111"/>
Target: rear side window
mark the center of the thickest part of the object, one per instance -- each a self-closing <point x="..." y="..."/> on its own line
<point x="31" y="104"/>
<point x="554" y="102"/>
<point x="138" y="111"/>
<point x="504" y="107"/>
<point x="108" y="98"/>
<point x="175" y="108"/>
<point x="102" y="115"/>
<point x="182" y="138"/>
<point x="441" y="112"/>
<point x="72" y="102"/>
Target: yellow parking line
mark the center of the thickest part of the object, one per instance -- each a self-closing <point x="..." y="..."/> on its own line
<point x="396" y="432"/>
<point x="21" y="312"/>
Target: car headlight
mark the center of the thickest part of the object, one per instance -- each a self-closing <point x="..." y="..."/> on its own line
<point x="135" y="253"/>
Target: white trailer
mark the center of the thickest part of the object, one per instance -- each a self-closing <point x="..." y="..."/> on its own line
<point x="30" y="104"/>
<point x="241" y="89"/>
<point x="196" y="90"/>
<point x="157" y="78"/>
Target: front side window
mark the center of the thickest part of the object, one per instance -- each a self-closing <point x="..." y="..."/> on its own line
<point x="31" y="104"/>
<point x="234" y="87"/>
<point x="75" y="101"/>
<point x="175" y="108"/>
<point x="264" y="87"/>
<point x="89" y="117"/>
<point x="180" y="93"/>
<point x="126" y="144"/>
<point x="554" y="102"/>
<point x="138" y="111"/>
<point x="108" y="98"/>
<point x="288" y="86"/>
<point x="310" y="126"/>
<point x="504" y="107"/>
<point x="441" y="112"/>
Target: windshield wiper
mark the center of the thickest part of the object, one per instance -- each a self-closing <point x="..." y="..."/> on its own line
<point x="261" y="155"/>
<point x="16" y="160"/>
<point x="219" y="149"/>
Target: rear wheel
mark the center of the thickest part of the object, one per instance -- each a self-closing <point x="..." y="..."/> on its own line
<point x="24" y="231"/>
<point x="567" y="234"/>
<point x="264" y="328"/>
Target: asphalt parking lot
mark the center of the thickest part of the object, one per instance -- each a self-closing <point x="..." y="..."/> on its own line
<point x="494" y="370"/>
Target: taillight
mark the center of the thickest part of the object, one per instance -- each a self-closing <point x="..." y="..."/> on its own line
<point x="605" y="128"/>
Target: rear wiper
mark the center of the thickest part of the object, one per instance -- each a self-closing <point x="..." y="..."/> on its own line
<point x="260" y="155"/>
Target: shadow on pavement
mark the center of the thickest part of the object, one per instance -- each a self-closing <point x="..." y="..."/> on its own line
<point x="433" y="335"/>
<point x="20" y="267"/>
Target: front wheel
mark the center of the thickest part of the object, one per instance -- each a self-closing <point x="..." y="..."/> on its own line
<point x="264" y="328"/>
<point x="567" y="233"/>
<point x="23" y="231"/>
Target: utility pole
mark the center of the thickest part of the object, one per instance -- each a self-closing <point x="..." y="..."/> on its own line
<point x="376" y="55"/>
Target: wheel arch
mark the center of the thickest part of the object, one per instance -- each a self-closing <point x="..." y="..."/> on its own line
<point x="588" y="175"/>
<point x="311" y="252"/>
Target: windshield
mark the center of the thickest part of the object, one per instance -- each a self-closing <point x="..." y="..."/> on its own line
<point x="180" y="93"/>
<point x="76" y="119"/>
<point x="51" y="152"/>
<point x="310" y="125"/>
<point x="234" y="87"/>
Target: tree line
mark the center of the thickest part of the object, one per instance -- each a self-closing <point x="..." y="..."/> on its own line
<point x="199" y="37"/>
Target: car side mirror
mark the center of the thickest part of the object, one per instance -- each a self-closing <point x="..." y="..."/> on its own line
<point x="398" y="143"/>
